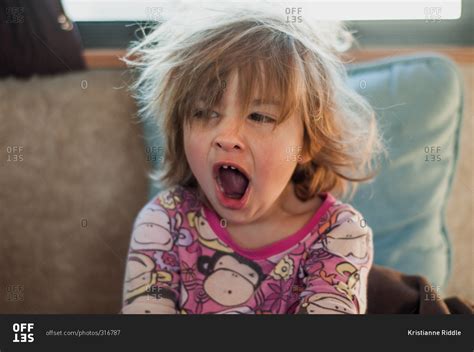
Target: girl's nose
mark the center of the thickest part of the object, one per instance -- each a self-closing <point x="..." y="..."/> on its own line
<point x="228" y="138"/>
<point x="228" y="144"/>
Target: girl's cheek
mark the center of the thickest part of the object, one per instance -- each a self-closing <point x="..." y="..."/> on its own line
<point x="274" y="153"/>
<point x="195" y="150"/>
<point x="270" y="160"/>
<point x="192" y="147"/>
<point x="194" y="137"/>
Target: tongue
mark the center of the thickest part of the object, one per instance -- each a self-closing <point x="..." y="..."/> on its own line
<point x="233" y="182"/>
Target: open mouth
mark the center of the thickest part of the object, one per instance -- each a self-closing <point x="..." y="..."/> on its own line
<point x="232" y="182"/>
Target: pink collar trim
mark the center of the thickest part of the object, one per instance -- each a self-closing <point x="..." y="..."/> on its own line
<point x="273" y="248"/>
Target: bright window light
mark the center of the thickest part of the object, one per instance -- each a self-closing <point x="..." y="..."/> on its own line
<point x="353" y="10"/>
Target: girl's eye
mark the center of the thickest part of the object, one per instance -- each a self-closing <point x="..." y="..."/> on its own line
<point x="261" y="118"/>
<point x="202" y="113"/>
<point x="198" y="113"/>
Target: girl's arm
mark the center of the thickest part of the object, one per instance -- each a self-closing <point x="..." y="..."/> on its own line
<point x="152" y="274"/>
<point x="337" y="269"/>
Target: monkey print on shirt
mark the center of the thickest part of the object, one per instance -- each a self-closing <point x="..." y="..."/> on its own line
<point x="182" y="261"/>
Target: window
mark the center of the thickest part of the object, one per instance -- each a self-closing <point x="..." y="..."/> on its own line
<point x="114" y="23"/>
<point x="143" y="10"/>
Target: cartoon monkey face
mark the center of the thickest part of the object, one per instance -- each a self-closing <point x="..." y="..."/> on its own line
<point x="163" y="302"/>
<point x="203" y="228"/>
<point x="349" y="238"/>
<point x="231" y="279"/>
<point x="152" y="231"/>
<point x="139" y="273"/>
<point x="207" y="236"/>
<point x="327" y="303"/>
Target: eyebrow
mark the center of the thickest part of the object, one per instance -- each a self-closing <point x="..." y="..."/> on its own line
<point x="256" y="102"/>
<point x="265" y="102"/>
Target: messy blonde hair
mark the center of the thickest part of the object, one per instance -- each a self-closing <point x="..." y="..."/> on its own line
<point x="186" y="59"/>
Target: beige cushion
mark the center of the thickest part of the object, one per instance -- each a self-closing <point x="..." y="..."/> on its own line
<point x="68" y="206"/>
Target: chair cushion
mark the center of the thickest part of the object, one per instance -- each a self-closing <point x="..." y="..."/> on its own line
<point x="418" y="101"/>
<point x="72" y="180"/>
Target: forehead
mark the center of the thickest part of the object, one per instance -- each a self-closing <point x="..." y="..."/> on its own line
<point x="236" y="84"/>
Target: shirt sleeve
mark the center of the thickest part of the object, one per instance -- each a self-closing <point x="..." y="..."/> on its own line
<point x="152" y="274"/>
<point x="337" y="266"/>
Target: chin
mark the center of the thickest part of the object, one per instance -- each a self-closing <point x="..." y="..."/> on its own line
<point x="236" y="217"/>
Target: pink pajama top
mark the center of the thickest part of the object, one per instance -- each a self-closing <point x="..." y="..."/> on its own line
<point x="182" y="260"/>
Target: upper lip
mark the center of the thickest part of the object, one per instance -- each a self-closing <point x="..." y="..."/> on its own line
<point x="217" y="165"/>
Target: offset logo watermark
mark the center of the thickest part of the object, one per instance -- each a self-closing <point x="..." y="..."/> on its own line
<point x="15" y="153"/>
<point x="293" y="153"/>
<point x="154" y="14"/>
<point x="14" y="15"/>
<point x="154" y="153"/>
<point x="432" y="293"/>
<point x="432" y="14"/>
<point x="432" y="153"/>
<point x="294" y="14"/>
<point x="23" y="332"/>
<point x="15" y="293"/>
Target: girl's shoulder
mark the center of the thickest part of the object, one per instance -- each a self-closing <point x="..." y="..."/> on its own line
<point x="343" y="230"/>
<point x="170" y="203"/>
<point x="167" y="220"/>
<point x="333" y="212"/>
<point x="177" y="198"/>
<point x="340" y="212"/>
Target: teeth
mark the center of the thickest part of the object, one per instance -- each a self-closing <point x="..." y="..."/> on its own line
<point x="219" y="183"/>
<point x="221" y="189"/>
<point x="227" y="166"/>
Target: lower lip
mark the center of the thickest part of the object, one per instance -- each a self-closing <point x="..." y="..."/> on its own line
<point x="230" y="203"/>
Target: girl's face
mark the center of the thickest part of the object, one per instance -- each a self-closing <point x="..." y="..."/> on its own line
<point x="247" y="141"/>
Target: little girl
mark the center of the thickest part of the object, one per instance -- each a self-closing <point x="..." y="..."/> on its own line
<point x="261" y="137"/>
